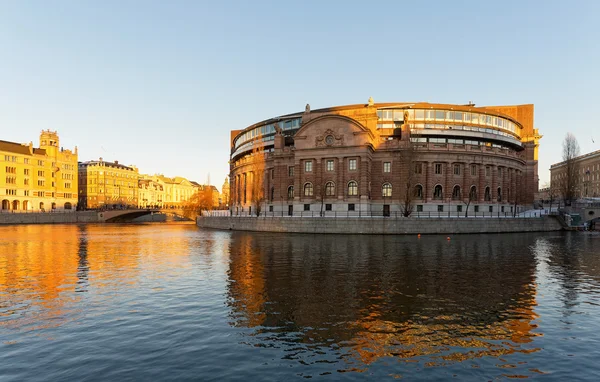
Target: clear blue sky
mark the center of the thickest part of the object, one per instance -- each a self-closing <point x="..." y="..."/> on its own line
<point x="161" y="84"/>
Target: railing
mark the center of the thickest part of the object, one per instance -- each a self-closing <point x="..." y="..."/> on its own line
<point x="381" y="214"/>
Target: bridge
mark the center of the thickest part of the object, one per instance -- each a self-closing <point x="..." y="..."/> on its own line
<point x="118" y="216"/>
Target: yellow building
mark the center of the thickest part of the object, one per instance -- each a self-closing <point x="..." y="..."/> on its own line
<point x="225" y="193"/>
<point x="151" y="192"/>
<point x="107" y="185"/>
<point x="177" y="191"/>
<point x="38" y="179"/>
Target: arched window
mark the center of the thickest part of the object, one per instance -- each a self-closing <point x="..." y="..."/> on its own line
<point x="41" y="205"/>
<point x="418" y="191"/>
<point x="473" y="193"/>
<point x="456" y="193"/>
<point x="329" y="189"/>
<point x="291" y="192"/>
<point x="5" y="204"/>
<point x="386" y="190"/>
<point x="437" y="192"/>
<point x="308" y="189"/>
<point x="15" y="204"/>
<point x="499" y="195"/>
<point x="488" y="194"/>
<point x="352" y="188"/>
<point x="68" y="206"/>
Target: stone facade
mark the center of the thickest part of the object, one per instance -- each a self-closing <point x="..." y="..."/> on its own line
<point x="588" y="176"/>
<point x="107" y="184"/>
<point x="38" y="179"/>
<point x="387" y="158"/>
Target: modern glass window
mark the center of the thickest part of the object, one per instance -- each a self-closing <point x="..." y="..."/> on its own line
<point x="387" y="166"/>
<point x="352" y="164"/>
<point x="329" y="189"/>
<point x="308" y="189"/>
<point x="440" y="115"/>
<point x="308" y="166"/>
<point x="352" y="188"/>
<point x="419" y="115"/>
<point x="330" y="164"/>
<point x="437" y="192"/>
<point x="386" y="190"/>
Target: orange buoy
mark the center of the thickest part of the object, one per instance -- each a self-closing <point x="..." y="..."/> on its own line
<point x="419" y="236"/>
<point x="448" y="238"/>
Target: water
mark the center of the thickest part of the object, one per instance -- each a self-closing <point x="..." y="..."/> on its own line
<point x="172" y="302"/>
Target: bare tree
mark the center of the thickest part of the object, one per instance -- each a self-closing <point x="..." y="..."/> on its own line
<point x="570" y="181"/>
<point x="257" y="181"/>
<point x="407" y="161"/>
<point x="472" y="197"/>
<point x="200" y="201"/>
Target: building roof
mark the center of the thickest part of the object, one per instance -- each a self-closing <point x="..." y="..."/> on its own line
<point x="16" y="148"/>
<point x="591" y="155"/>
<point x="106" y="164"/>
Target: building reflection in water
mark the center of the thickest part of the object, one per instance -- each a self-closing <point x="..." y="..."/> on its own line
<point x="46" y="270"/>
<point x="362" y="299"/>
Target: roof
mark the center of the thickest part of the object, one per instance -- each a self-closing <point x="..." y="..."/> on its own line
<point x="106" y="164"/>
<point x="16" y="148"/>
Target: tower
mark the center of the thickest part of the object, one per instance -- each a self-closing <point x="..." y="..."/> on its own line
<point x="49" y="142"/>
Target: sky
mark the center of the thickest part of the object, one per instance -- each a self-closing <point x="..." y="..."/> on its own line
<point x="160" y="84"/>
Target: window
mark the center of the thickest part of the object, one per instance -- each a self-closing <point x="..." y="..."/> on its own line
<point x="26" y="182"/>
<point x="40" y="162"/>
<point x="67" y="185"/>
<point x="487" y="195"/>
<point x="291" y="171"/>
<point x="290" y="192"/>
<point x="473" y="170"/>
<point x="386" y="190"/>
<point x="459" y="208"/>
<point x="499" y="194"/>
<point x="456" y="169"/>
<point x="487" y="171"/>
<point x="440" y="208"/>
<point x="456" y="193"/>
<point x="352" y="164"/>
<point x="476" y="208"/>
<point x="270" y="208"/>
<point x="308" y="189"/>
<point x="26" y="160"/>
<point x="418" y="191"/>
<point x="352" y="188"/>
<point x="499" y="172"/>
<point x="40" y="173"/>
<point x="330" y="165"/>
<point x="418" y="168"/>
<point x="26" y="193"/>
<point x="329" y="189"/>
<point x="502" y="209"/>
<point x="387" y="167"/>
<point x="307" y="207"/>
<point x="491" y="208"/>
<point x="41" y="183"/>
<point x="308" y="166"/>
<point x="419" y="208"/>
<point x="351" y="207"/>
<point x="11" y="180"/>
<point x="328" y="207"/>
<point x="473" y="193"/>
<point x="438" y="168"/>
<point x="437" y="192"/>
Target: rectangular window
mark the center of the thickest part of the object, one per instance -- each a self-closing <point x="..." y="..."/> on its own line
<point x="308" y="166"/>
<point x="40" y="162"/>
<point x="456" y="169"/>
<point x="502" y="209"/>
<point x="270" y="208"/>
<point x="351" y="207"/>
<point x="418" y="168"/>
<point x="327" y="207"/>
<point x="440" y="208"/>
<point x="499" y="172"/>
<point x="387" y="166"/>
<point x="291" y="171"/>
<point x="419" y="208"/>
<point x="26" y="182"/>
<point x="352" y="164"/>
<point x="476" y="208"/>
<point x="26" y="193"/>
<point x="473" y="170"/>
<point x="41" y="183"/>
<point x="491" y="208"/>
<point x="488" y="170"/>
<point x="40" y="173"/>
<point x="438" y="168"/>
<point x="330" y="164"/>
<point x="459" y="208"/>
<point x="307" y="207"/>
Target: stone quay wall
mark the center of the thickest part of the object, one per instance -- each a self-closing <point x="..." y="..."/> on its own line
<point x="384" y="226"/>
<point x="49" y="217"/>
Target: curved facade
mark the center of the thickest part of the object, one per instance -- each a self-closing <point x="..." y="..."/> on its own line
<point x="387" y="158"/>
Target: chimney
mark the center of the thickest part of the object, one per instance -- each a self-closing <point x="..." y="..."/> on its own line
<point x="116" y="162"/>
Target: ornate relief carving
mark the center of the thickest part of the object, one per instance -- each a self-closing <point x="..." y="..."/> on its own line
<point x="329" y="138"/>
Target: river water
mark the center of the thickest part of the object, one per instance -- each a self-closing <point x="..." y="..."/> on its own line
<point x="173" y="302"/>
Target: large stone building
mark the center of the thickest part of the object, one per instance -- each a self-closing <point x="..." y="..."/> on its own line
<point x="387" y="158"/>
<point x="38" y="179"/>
<point x="151" y="193"/>
<point x="105" y="184"/>
<point x="587" y="180"/>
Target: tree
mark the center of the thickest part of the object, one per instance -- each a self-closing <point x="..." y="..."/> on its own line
<point x="472" y="197"/>
<point x="200" y="201"/>
<point x="570" y="180"/>
<point x="407" y="163"/>
<point x="257" y="180"/>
